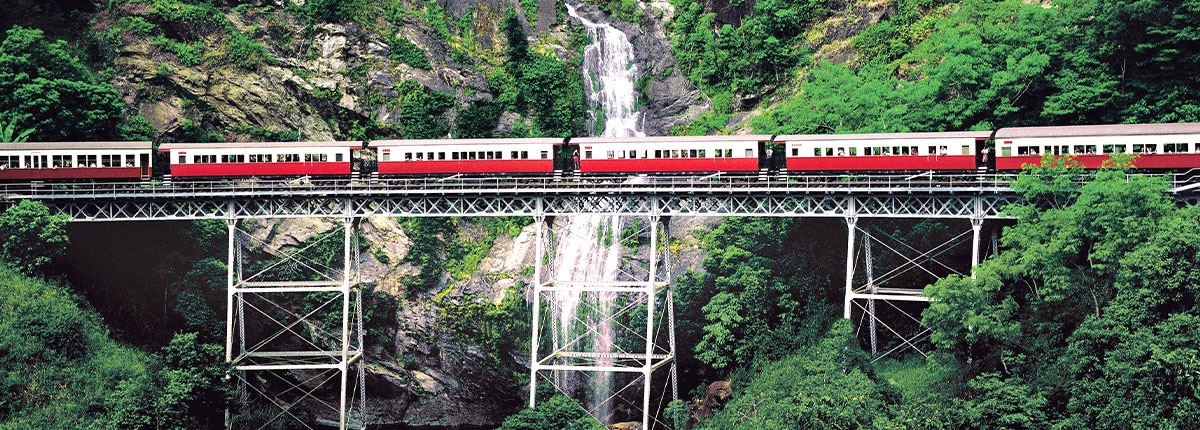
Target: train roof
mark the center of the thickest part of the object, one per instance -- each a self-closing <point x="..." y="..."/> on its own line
<point x="34" y="146"/>
<point x="883" y="136"/>
<point x="666" y="139"/>
<point x="251" y="145"/>
<point x="1100" y="130"/>
<point x="440" y="142"/>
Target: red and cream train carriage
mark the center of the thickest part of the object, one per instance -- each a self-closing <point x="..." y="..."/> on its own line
<point x="67" y="161"/>
<point x="1156" y="146"/>
<point x="677" y="154"/>
<point x="958" y="150"/>
<point x="259" y="159"/>
<point x="466" y="156"/>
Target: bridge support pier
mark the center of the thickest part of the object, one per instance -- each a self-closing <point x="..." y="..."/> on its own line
<point x="294" y="330"/>
<point x="597" y="338"/>
<point x="865" y="291"/>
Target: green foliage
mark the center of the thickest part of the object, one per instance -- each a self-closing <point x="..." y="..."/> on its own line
<point x="33" y="239"/>
<point x="518" y="43"/>
<point x="991" y="64"/>
<point x="763" y="302"/>
<point x="1088" y="312"/>
<point x="557" y="413"/>
<point x="59" y="369"/>
<point x="745" y="58"/>
<point x="138" y="25"/>
<point x="429" y="237"/>
<point x="317" y="11"/>
<point x="8" y="132"/>
<point x="826" y="385"/>
<point x="421" y="112"/>
<point x="189" y="54"/>
<point x="498" y="328"/>
<point x="45" y="87"/>
<point x="409" y="53"/>
<point x="478" y="120"/>
<point x="247" y="53"/>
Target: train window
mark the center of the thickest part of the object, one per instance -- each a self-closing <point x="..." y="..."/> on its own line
<point x="524" y="155"/>
<point x="966" y="150"/>
<point x="828" y="152"/>
<point x="749" y="153"/>
<point x="728" y="152"/>
<point x="205" y="159"/>
<point x="587" y="155"/>
<point x="1109" y="149"/>
<point x="441" y="156"/>
<point x="816" y="152"/>
<point x="109" y="160"/>
<point x="429" y="156"/>
<point x="1174" y="147"/>
<point x="693" y="153"/>
<point x="408" y="156"/>
<point x="61" y="161"/>
<point x="703" y="153"/>
<point x="471" y="155"/>
<point x="545" y="155"/>
<point x="130" y="160"/>
<point x="339" y="157"/>
<point x="9" y="160"/>
<point x="933" y="150"/>
<point x="387" y="156"/>
<point x="853" y="151"/>
<point x="513" y="155"/>
<point x="674" y="153"/>
<point x="420" y="156"/>
<point x="795" y="152"/>
<point x="233" y="158"/>
<point x="289" y="158"/>
<point x="323" y="157"/>
<point x="1006" y="151"/>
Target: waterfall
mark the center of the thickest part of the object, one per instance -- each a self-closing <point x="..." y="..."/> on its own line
<point x="589" y="249"/>
<point x="610" y="78"/>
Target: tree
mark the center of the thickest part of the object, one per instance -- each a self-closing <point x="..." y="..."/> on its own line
<point x="45" y="87"/>
<point x="33" y="239"/>
<point x="554" y="414"/>
<point x="825" y="385"/>
<point x="1092" y="306"/>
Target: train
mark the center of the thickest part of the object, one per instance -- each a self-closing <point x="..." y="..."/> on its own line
<point x="1155" y="147"/>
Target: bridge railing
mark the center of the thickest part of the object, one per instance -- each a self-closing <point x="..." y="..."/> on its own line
<point x="515" y="185"/>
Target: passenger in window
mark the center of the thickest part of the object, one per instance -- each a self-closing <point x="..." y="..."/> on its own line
<point x="841" y="152"/>
<point x="943" y="150"/>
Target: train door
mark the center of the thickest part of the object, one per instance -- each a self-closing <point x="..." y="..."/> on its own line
<point x="144" y="162"/>
<point x="985" y="155"/>
<point x="567" y="159"/>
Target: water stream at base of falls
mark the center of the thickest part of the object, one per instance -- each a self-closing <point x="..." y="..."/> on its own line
<point x="588" y="249"/>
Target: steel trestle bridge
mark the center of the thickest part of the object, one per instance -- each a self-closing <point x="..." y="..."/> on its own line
<point x="974" y="198"/>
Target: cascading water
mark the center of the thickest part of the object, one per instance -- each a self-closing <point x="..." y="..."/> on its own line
<point x="589" y="249"/>
<point x="610" y="76"/>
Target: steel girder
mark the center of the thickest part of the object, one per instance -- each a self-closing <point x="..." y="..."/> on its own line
<point x="802" y="205"/>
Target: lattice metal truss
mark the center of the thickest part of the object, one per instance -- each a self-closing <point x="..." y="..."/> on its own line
<point x="799" y="205"/>
<point x="867" y="290"/>
<point x="294" y="332"/>
<point x="638" y="317"/>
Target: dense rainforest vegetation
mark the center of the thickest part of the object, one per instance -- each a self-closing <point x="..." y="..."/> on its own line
<point x="1087" y="317"/>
